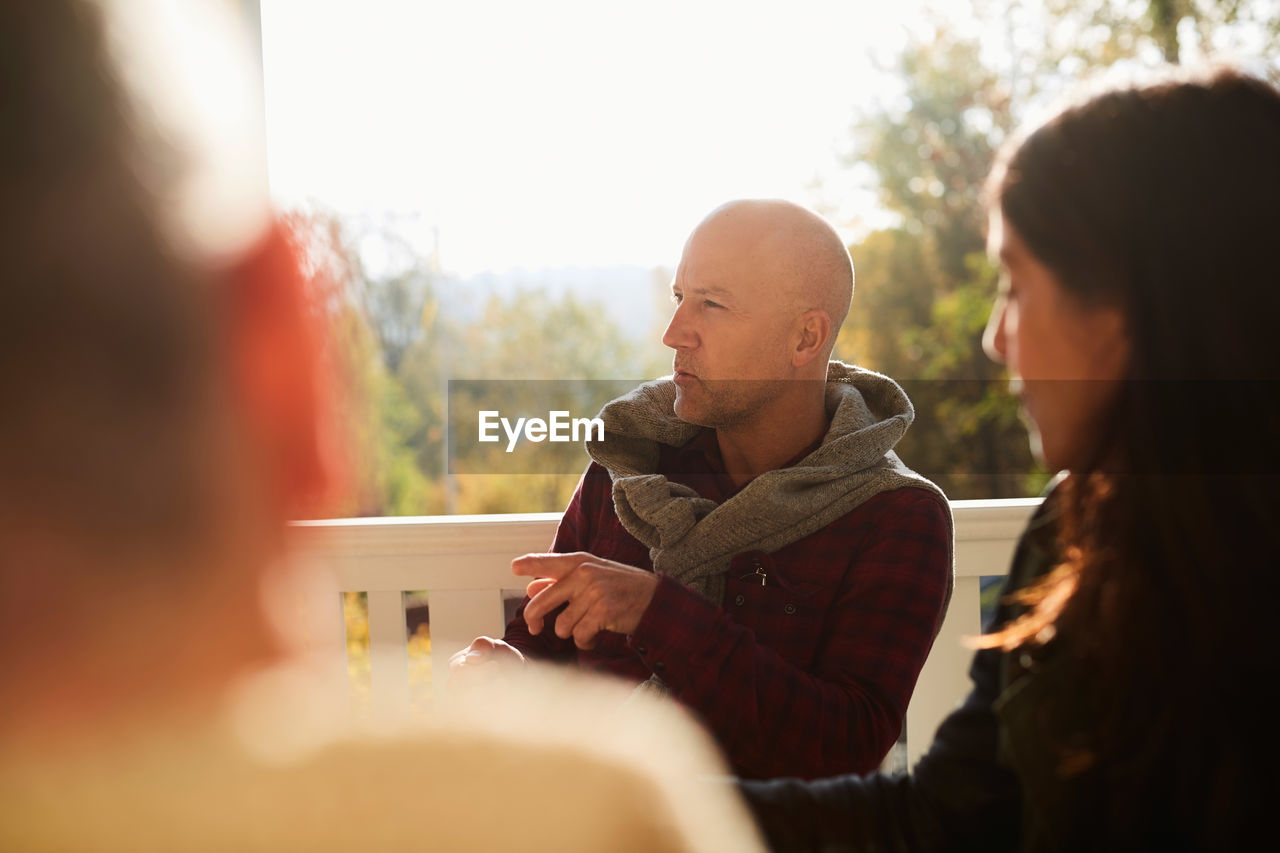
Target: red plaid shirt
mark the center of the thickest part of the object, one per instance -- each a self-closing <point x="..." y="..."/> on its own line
<point x="807" y="667"/>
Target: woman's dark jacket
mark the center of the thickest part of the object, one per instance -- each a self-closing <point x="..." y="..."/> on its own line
<point x="991" y="781"/>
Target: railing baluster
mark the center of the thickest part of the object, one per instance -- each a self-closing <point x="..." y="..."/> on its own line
<point x="986" y="532"/>
<point x="457" y="617"/>
<point x="388" y="656"/>
<point x="945" y="677"/>
<point x="463" y="563"/>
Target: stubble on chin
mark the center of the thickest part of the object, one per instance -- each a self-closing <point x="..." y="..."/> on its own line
<point x="699" y="412"/>
<point x="705" y="408"/>
<point x="684" y="409"/>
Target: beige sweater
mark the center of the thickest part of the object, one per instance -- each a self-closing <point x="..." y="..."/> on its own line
<point x="542" y="764"/>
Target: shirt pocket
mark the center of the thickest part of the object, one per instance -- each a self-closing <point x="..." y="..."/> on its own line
<point x="786" y="613"/>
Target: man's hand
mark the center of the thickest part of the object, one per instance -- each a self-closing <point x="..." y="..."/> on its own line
<point x="482" y="656"/>
<point x="602" y="595"/>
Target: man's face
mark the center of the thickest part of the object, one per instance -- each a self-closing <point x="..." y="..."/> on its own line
<point x="729" y="332"/>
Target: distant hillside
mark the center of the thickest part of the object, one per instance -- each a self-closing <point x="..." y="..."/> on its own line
<point x="632" y="296"/>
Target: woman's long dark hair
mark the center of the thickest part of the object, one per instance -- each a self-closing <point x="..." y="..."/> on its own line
<point x="1165" y="200"/>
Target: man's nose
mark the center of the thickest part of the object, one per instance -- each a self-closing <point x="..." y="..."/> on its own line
<point x="679" y="333"/>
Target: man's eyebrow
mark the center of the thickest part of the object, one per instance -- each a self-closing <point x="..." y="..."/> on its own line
<point x="713" y="290"/>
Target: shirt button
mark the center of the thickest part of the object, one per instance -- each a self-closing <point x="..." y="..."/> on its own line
<point x="642" y="650"/>
<point x="659" y="667"/>
<point x="740" y="600"/>
<point x="790" y="609"/>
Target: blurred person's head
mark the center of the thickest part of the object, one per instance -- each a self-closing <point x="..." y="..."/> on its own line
<point x="158" y="393"/>
<point x="1138" y="236"/>
<point x="761" y="290"/>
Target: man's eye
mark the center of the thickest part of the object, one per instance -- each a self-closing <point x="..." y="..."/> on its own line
<point x="710" y="304"/>
<point x="677" y="298"/>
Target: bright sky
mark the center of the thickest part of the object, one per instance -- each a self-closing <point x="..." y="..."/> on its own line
<point x="567" y="132"/>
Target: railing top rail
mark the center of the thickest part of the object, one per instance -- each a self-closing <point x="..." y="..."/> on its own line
<point x="391" y="550"/>
<point x="995" y="503"/>
<point x="1018" y="506"/>
<point x="493" y="519"/>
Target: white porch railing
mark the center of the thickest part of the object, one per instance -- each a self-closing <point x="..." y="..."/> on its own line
<point x="463" y="563"/>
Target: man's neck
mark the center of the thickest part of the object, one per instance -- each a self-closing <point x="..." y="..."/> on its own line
<point x="772" y="439"/>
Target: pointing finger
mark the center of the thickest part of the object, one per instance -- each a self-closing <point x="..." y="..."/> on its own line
<point x="546" y="565"/>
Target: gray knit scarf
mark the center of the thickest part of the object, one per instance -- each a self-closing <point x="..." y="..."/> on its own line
<point x="693" y="539"/>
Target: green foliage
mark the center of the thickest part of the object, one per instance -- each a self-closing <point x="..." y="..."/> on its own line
<point x="1209" y="28"/>
<point x="422" y="377"/>
<point x="401" y="482"/>
<point x="394" y="350"/>
<point x="526" y="342"/>
<point x="531" y="336"/>
<point x="931" y="150"/>
<point x="911" y="321"/>
<point x="924" y="289"/>
<point x="495" y="493"/>
<point x="924" y="286"/>
<point x="1055" y="42"/>
<point x="968" y="434"/>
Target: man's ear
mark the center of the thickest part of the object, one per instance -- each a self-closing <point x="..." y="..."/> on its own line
<point x="814" y="334"/>
<point x="276" y="372"/>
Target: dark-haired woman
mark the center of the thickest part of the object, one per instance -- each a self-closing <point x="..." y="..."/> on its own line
<point x="1119" y="697"/>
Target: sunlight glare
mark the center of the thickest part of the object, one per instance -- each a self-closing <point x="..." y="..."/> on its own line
<point x="564" y="132"/>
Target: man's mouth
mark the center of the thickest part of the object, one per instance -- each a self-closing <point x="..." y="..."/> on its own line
<point x="683" y="377"/>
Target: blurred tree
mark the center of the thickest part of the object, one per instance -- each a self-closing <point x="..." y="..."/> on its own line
<point x="530" y="335"/>
<point x="923" y="289"/>
<point x="932" y="147"/>
<point x="423" y="375"/>
<point x="395" y="306"/>
<point x="394" y="348"/>
<point x="534" y="354"/>
<point x="1050" y="43"/>
<point x="379" y="423"/>
<point x="1129" y="29"/>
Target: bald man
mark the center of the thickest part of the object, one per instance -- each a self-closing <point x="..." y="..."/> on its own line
<point x="745" y="538"/>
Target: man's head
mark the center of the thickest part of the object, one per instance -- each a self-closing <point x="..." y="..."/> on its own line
<point x="761" y="290"/>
